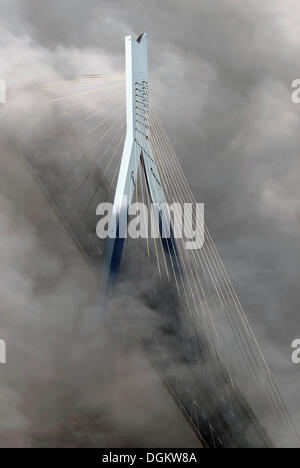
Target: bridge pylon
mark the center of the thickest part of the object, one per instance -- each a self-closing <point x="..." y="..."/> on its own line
<point x="137" y="150"/>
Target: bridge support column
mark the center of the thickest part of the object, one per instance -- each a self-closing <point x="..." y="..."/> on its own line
<point x="137" y="147"/>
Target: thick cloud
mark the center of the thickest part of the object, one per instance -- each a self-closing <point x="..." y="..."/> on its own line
<point x="220" y="77"/>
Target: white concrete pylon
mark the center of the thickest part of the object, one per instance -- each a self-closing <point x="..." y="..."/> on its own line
<point x="137" y="147"/>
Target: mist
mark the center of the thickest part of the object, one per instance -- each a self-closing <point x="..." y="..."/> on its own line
<point x="221" y="80"/>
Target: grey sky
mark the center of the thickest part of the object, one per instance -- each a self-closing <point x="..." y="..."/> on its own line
<point x="221" y="76"/>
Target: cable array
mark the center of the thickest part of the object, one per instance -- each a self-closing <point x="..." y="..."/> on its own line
<point x="215" y="333"/>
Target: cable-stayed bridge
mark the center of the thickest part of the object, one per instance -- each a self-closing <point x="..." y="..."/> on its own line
<point x="188" y="317"/>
